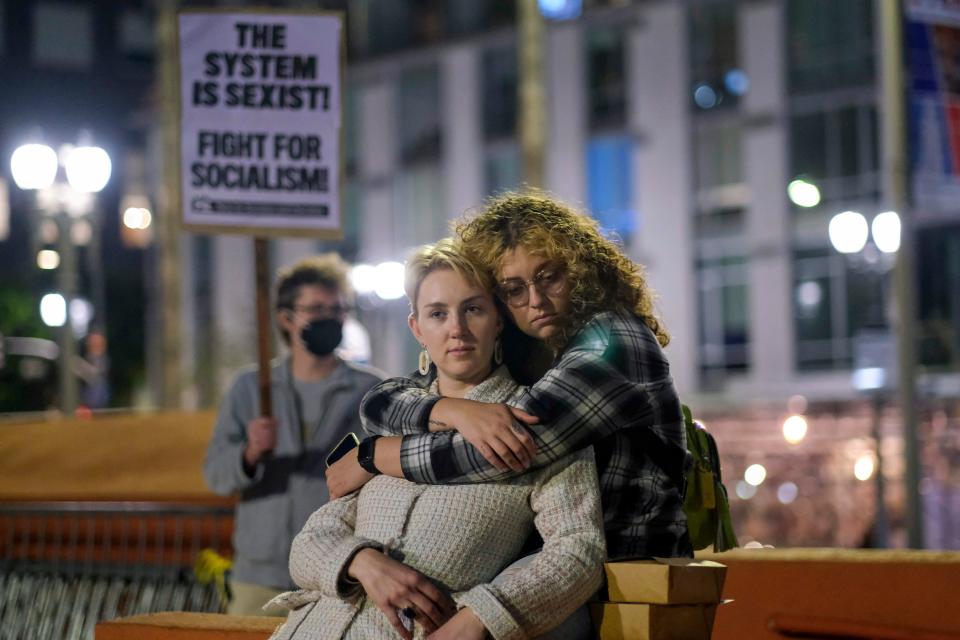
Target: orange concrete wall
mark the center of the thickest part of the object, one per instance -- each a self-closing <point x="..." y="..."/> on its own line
<point x="897" y="589"/>
<point x="187" y="626"/>
<point x="154" y="456"/>
<point x="864" y="594"/>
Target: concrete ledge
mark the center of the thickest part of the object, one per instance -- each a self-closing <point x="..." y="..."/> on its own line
<point x="906" y="593"/>
<point x="187" y="626"/>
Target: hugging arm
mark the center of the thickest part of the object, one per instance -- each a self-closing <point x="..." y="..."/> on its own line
<point x="532" y="599"/>
<point x="582" y="399"/>
<point x="398" y="406"/>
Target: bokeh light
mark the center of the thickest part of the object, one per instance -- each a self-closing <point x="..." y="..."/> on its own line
<point x="794" y="429"/>
<point x="755" y="474"/>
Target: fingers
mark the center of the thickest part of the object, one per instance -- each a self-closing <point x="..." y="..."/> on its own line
<point x="492" y="457"/>
<point x="426" y="612"/>
<point x="507" y="454"/>
<point x="394" y="618"/>
<point x="433" y="603"/>
<point x="523" y="416"/>
<point x="524" y="440"/>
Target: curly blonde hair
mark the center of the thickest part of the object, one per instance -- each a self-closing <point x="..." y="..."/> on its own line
<point x="601" y="277"/>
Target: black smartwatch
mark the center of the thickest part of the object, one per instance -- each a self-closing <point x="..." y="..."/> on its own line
<point x="365" y="455"/>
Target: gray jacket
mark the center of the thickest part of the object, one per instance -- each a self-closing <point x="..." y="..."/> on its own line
<point x="288" y="484"/>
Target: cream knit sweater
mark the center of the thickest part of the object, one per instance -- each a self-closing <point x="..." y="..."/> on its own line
<point x="461" y="536"/>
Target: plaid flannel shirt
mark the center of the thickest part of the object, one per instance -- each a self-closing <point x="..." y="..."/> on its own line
<point x="609" y="385"/>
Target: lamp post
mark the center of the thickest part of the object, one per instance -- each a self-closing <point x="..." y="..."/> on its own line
<point x="851" y="235"/>
<point x="87" y="169"/>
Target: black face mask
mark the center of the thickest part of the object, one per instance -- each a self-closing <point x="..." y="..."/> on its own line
<point x="321" y="337"/>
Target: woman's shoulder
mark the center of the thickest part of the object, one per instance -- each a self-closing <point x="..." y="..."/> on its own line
<point x="608" y="327"/>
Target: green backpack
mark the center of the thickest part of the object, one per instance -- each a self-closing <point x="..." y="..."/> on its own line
<point x="705" y="498"/>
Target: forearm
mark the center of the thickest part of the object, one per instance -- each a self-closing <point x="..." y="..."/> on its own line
<point x="444" y="415"/>
<point x="397" y="406"/>
<point x="446" y="458"/>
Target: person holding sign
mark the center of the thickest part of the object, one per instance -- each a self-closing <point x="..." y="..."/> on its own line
<point x="396" y="559"/>
<point x="277" y="463"/>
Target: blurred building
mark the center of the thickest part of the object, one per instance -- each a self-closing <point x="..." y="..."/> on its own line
<point x="680" y="125"/>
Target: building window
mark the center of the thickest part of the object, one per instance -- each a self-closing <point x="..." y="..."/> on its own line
<point x="724" y="317"/>
<point x="63" y="35"/>
<point x="609" y="180"/>
<point x="418" y="207"/>
<point x="717" y="81"/>
<point x="830" y="44"/>
<point x="836" y="149"/>
<point x="499" y="75"/>
<point x="717" y="147"/>
<point x="719" y="156"/>
<point x="939" y="304"/>
<point x="419" y="114"/>
<point x="136" y="35"/>
<point x="351" y="216"/>
<point x="464" y="17"/>
<point x="835" y="298"/>
<point x="377" y="27"/>
<point x="501" y="168"/>
<point x="606" y="77"/>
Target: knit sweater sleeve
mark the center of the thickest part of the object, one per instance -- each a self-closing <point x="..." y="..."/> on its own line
<point x="322" y="551"/>
<point x="531" y="600"/>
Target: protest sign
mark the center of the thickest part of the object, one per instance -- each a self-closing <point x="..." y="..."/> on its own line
<point x="260" y="120"/>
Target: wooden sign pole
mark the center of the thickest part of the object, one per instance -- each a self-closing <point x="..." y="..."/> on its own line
<point x="262" y="260"/>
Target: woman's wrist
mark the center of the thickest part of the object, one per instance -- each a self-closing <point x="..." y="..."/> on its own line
<point x="386" y="456"/>
<point x="360" y="562"/>
<point x="471" y="623"/>
<point x="443" y="416"/>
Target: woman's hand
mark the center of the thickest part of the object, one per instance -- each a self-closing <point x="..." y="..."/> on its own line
<point x="392" y="586"/>
<point x="346" y="475"/>
<point x="494" y="429"/>
<point x="463" y="626"/>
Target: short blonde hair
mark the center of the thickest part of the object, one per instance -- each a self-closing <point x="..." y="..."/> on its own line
<point x="444" y="254"/>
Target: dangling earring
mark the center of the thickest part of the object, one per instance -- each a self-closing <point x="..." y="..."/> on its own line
<point x="497" y="352"/>
<point x="424" y="362"/>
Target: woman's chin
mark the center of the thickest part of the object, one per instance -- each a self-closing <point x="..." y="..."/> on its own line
<point x="542" y="332"/>
<point x="466" y="372"/>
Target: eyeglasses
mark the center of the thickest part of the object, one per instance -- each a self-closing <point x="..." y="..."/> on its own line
<point x="549" y="281"/>
<point x="322" y="310"/>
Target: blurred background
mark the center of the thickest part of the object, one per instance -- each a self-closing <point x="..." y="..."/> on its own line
<point x="718" y="139"/>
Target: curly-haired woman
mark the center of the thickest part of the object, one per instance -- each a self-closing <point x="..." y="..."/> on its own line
<point x="573" y="292"/>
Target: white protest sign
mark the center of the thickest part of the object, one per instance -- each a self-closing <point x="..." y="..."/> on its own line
<point x="260" y="121"/>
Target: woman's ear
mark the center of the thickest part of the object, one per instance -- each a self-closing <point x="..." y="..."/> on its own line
<point x="414" y="327"/>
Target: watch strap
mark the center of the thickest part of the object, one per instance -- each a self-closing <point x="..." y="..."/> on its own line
<point x="365" y="455"/>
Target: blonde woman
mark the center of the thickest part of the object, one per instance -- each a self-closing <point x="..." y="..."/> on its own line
<point x="572" y="292"/>
<point x="400" y="559"/>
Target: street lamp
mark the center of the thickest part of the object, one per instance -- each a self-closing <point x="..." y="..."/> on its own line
<point x="873" y="359"/>
<point x="35" y="167"/>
